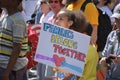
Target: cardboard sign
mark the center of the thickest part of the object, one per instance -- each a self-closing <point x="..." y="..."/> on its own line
<point x="62" y="48"/>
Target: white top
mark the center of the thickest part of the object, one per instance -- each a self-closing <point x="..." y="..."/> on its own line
<point x="46" y="18"/>
<point x="29" y="7"/>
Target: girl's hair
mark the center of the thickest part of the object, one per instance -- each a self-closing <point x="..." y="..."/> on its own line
<point x="79" y="22"/>
<point x="88" y="30"/>
<point x="78" y="18"/>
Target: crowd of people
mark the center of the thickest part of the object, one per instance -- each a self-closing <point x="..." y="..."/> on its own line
<point x="99" y="19"/>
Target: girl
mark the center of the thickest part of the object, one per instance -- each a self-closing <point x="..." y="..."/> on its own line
<point x="47" y="13"/>
<point x="77" y="22"/>
<point x="72" y="20"/>
<point x="46" y="10"/>
<point x="56" y="6"/>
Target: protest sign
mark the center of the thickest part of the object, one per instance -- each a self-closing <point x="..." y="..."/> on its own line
<point x="62" y="48"/>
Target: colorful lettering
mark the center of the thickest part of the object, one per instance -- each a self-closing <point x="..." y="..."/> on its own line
<point x="69" y="52"/>
<point x="58" y="30"/>
<point x="63" y="41"/>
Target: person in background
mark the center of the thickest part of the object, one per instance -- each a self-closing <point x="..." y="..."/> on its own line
<point x="38" y="15"/>
<point x="46" y="10"/>
<point x="13" y="42"/>
<point x="90" y="12"/>
<point x="37" y="12"/>
<point x="77" y="21"/>
<point x="29" y="8"/>
<point x="104" y="6"/>
<point x="73" y="21"/>
<point x="47" y="13"/>
<point x="117" y="2"/>
<point x="56" y="6"/>
<point x="111" y="52"/>
<point x="89" y="72"/>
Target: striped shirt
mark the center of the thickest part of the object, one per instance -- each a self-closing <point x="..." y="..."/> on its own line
<point x="112" y="47"/>
<point x="13" y="30"/>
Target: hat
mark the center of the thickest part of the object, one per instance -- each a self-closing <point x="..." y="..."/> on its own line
<point x="116" y="12"/>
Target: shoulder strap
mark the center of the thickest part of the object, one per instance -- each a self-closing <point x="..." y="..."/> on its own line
<point x="84" y="4"/>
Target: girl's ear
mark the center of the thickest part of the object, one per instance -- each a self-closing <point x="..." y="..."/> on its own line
<point x="70" y="23"/>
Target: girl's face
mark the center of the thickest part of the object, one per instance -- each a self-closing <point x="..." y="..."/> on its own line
<point x="62" y="20"/>
<point x="55" y="5"/>
<point x="117" y="21"/>
<point x="44" y="7"/>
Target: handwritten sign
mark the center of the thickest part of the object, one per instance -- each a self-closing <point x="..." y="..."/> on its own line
<point x="62" y="48"/>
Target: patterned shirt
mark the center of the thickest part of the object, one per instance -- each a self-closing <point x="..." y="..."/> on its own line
<point x="112" y="47"/>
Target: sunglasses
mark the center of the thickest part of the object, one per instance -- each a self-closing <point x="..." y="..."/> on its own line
<point x="54" y="2"/>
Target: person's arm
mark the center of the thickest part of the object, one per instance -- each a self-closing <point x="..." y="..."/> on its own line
<point x="114" y="58"/>
<point x="107" y="50"/>
<point x="103" y="61"/>
<point x="78" y="77"/>
<point x="94" y="34"/>
<point x="92" y="15"/>
<point x="12" y="60"/>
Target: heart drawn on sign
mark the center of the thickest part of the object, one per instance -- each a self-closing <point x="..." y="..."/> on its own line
<point x="58" y="60"/>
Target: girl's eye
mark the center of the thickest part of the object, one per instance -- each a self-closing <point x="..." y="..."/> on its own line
<point x="61" y="19"/>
